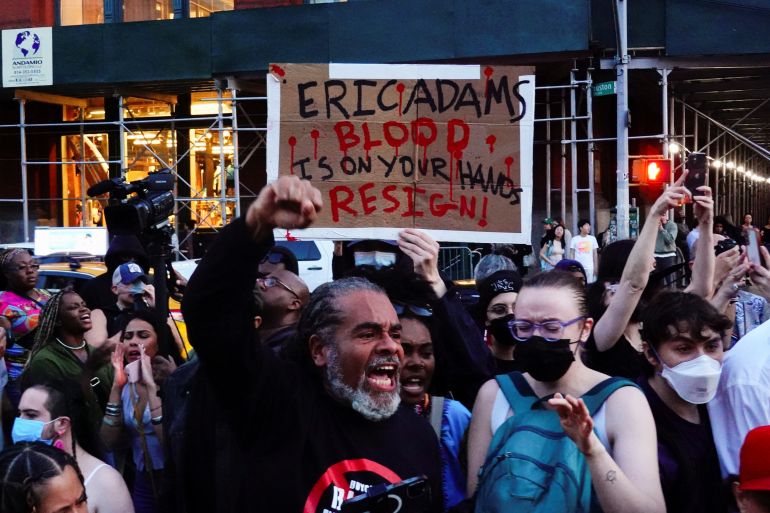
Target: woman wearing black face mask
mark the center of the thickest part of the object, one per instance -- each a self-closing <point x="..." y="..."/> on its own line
<point x="497" y="298"/>
<point x="617" y="442"/>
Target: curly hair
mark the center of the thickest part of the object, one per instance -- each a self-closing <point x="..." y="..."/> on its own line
<point x="322" y="315"/>
<point x="24" y="471"/>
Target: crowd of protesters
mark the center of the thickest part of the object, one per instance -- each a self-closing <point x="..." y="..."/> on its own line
<point x="600" y="382"/>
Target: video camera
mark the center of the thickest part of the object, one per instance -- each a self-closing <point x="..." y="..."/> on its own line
<point x="148" y="210"/>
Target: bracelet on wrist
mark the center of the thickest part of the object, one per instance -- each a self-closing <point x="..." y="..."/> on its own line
<point x="155" y="421"/>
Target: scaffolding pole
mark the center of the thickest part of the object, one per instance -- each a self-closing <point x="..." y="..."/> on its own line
<point x="236" y="158"/>
<point x="622" y="119"/>
<point x="24" y="188"/>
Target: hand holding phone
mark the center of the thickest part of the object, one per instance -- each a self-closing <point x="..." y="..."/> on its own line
<point x="697" y="173"/>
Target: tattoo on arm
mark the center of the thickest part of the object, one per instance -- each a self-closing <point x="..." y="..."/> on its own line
<point x="611" y="476"/>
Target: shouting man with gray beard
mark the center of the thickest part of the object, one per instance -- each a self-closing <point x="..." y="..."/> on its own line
<point x="321" y="425"/>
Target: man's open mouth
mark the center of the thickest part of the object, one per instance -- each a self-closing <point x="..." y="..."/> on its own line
<point x="382" y="377"/>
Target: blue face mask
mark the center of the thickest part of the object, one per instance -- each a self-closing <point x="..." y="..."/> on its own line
<point x="28" y="430"/>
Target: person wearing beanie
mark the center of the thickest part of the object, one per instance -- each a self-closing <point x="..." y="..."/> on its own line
<point x="497" y="297"/>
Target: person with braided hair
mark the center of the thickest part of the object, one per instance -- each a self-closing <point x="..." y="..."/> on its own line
<point x="20" y="305"/>
<point x="55" y="410"/>
<point x="41" y="479"/>
<point x="60" y="351"/>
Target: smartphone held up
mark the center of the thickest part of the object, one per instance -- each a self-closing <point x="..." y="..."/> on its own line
<point x="697" y="173"/>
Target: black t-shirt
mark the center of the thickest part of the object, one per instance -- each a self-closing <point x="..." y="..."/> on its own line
<point x="622" y="360"/>
<point x="687" y="458"/>
<point x="290" y="446"/>
<point x="506" y="366"/>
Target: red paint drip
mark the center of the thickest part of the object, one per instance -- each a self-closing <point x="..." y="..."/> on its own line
<point x="292" y="143"/>
<point x="278" y="70"/>
<point x="315" y="134"/>
<point x="508" y="162"/>
<point x="491" y="139"/>
<point x="425" y="153"/>
<point x="400" y="89"/>
<point x="457" y="155"/>
<point x="488" y="73"/>
<point x="483" y="220"/>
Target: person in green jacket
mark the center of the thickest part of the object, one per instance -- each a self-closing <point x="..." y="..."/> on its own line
<point x="61" y="352"/>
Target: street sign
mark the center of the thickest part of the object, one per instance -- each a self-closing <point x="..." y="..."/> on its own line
<point x="605" y="88"/>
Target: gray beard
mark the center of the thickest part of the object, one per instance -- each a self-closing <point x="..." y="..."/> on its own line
<point x="374" y="406"/>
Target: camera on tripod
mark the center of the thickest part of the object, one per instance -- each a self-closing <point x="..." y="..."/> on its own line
<point x="147" y="210"/>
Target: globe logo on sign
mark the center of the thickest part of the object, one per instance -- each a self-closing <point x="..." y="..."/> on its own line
<point x="28" y="43"/>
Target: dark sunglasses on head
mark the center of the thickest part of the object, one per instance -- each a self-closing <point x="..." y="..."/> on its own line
<point x="420" y="311"/>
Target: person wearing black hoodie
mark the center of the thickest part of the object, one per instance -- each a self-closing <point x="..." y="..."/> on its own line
<point x="97" y="292"/>
<point x="320" y="427"/>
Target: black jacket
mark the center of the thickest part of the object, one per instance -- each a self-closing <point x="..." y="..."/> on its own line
<point x="292" y="447"/>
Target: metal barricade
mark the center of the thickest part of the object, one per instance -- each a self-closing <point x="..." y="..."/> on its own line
<point x="457" y="262"/>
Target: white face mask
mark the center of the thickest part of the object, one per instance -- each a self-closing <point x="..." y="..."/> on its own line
<point x="377" y="259"/>
<point x="695" y="380"/>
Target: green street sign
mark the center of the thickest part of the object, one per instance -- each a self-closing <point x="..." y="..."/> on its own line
<point x="605" y="88"/>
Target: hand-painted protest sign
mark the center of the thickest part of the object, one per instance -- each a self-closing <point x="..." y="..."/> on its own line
<point x="443" y="148"/>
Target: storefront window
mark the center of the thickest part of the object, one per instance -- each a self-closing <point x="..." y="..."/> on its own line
<point x="83" y="165"/>
<point x="205" y="103"/>
<point x="134" y="108"/>
<point x="207" y="178"/>
<point x="81" y="12"/>
<point x="148" y="151"/>
<point x="146" y="10"/>
<point x="203" y="8"/>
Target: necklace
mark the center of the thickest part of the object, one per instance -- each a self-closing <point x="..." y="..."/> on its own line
<point x="73" y="348"/>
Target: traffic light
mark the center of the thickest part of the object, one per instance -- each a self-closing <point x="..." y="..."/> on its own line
<point x="658" y="171"/>
<point x="651" y="171"/>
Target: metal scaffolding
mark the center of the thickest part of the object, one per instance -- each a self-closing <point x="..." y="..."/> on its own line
<point x="575" y="94"/>
<point x="228" y="206"/>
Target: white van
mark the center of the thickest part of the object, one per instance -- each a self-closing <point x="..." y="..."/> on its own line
<point x="314" y="258"/>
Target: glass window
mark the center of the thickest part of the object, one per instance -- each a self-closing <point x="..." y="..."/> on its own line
<point x="144" y="108"/>
<point x="145" y="10"/>
<point x="304" y="250"/>
<point x="81" y="12"/>
<point x="203" y="8"/>
<point x="83" y="165"/>
<point x="205" y="103"/>
<point x="206" y="177"/>
<point x="148" y="150"/>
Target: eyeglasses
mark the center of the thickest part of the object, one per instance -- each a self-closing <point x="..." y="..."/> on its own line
<point x="550" y="330"/>
<point x="26" y="267"/>
<point x="420" y="311"/>
<point x="272" y="281"/>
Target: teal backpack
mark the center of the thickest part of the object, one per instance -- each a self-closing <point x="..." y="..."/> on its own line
<point x="532" y="465"/>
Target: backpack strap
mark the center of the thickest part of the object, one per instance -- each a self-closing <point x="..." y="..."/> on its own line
<point x="517" y="391"/>
<point x="436" y="413"/>
<point x="595" y="397"/>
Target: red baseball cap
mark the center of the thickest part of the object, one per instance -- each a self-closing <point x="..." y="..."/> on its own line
<point x="755" y="460"/>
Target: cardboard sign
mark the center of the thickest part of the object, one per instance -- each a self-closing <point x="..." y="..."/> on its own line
<point x="443" y="148"/>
